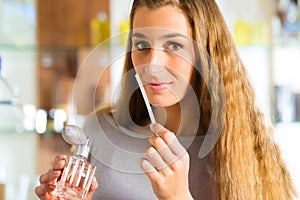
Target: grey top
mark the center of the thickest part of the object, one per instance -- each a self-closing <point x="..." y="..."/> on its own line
<point x="116" y="152"/>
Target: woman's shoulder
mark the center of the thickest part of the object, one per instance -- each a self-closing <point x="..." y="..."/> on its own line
<point x="99" y="115"/>
<point x="103" y="109"/>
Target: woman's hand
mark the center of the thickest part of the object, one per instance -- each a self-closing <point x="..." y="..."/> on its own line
<point x="48" y="180"/>
<point x="167" y="166"/>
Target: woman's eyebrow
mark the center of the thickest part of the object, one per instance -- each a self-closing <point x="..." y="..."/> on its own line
<point x="166" y="36"/>
<point x="139" y="35"/>
<point x="172" y="35"/>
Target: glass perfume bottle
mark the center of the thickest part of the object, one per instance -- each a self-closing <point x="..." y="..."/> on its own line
<point x="78" y="173"/>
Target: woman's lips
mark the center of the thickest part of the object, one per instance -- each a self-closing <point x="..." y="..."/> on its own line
<point x="157" y="86"/>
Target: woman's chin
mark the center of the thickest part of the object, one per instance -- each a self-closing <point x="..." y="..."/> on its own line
<point x="166" y="102"/>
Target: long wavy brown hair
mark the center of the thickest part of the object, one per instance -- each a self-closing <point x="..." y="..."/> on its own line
<point x="246" y="161"/>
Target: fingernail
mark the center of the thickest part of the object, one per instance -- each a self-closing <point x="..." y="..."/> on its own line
<point x="56" y="172"/>
<point x="61" y="161"/>
<point x="143" y="163"/>
<point x="146" y="166"/>
<point x="156" y="128"/>
<point x="52" y="187"/>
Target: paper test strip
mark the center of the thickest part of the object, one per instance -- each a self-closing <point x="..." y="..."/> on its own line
<point x="145" y="98"/>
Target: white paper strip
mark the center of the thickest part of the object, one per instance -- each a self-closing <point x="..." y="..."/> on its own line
<point x="145" y="98"/>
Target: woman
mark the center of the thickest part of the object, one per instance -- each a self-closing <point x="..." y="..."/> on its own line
<point x="245" y="163"/>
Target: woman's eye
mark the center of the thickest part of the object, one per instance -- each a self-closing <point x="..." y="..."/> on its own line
<point x="142" y="46"/>
<point x="174" y="46"/>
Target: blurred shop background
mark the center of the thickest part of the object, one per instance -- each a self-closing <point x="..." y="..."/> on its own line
<point x="47" y="50"/>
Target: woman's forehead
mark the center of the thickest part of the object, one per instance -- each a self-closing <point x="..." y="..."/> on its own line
<point x="158" y="34"/>
<point x="169" y="18"/>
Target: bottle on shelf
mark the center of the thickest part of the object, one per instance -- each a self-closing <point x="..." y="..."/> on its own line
<point x="124" y="31"/>
<point x="6" y="92"/>
<point x="288" y="12"/>
<point x="99" y="29"/>
<point x="11" y="114"/>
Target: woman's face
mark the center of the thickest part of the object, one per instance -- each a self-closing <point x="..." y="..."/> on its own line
<point x="162" y="53"/>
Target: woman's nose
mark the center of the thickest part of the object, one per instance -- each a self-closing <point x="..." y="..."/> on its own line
<point x="156" y="61"/>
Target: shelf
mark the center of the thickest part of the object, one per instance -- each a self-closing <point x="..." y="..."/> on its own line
<point x="17" y="48"/>
<point x="292" y="125"/>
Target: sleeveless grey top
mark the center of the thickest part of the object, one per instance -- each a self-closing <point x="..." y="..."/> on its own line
<point x="116" y="152"/>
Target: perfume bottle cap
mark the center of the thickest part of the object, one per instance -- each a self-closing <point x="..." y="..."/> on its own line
<point x="74" y="135"/>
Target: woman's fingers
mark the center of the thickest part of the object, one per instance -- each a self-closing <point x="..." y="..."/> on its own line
<point x="148" y="168"/>
<point x="93" y="188"/>
<point x="155" y="158"/>
<point x="50" y="177"/>
<point x="43" y="189"/>
<point x="163" y="150"/>
<point x="94" y="184"/>
<point x="59" y="162"/>
<point x="47" y="186"/>
<point x="168" y="165"/>
<point x="169" y="138"/>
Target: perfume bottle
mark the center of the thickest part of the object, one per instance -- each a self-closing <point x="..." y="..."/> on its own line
<point x="78" y="173"/>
